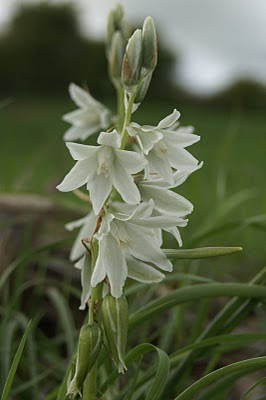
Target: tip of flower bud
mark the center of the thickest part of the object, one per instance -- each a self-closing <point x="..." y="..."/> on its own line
<point x="150" y="45"/>
<point x="132" y="62"/>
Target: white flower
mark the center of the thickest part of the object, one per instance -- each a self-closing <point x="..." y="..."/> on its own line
<point x="164" y="145"/>
<point x="101" y="168"/>
<point x="129" y="241"/>
<point x="92" y="116"/>
<point x="87" y="225"/>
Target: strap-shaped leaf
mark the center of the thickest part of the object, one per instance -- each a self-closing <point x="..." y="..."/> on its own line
<point x="161" y="374"/>
<point x="201" y="252"/>
<point x="196" y="292"/>
<point x="15" y="363"/>
<point x="250" y="365"/>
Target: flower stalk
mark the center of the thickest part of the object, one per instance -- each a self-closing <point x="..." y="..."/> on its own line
<point x="124" y="238"/>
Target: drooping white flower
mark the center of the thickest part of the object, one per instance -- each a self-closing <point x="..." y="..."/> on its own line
<point x="87" y="225"/>
<point x="164" y="145"/>
<point x="129" y="246"/>
<point x="91" y="117"/>
<point x="102" y="168"/>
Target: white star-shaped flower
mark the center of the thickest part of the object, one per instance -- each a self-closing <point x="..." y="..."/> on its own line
<point x="102" y="168"/>
<point x="164" y="145"/>
<point x="129" y="246"/>
<point x="91" y="117"/>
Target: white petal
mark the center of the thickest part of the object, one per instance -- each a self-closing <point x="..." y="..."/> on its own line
<point x="133" y="129"/>
<point x="180" y="139"/>
<point x="115" y="266"/>
<point x="166" y="201"/>
<point x="148" y="140"/>
<point x="99" y="271"/>
<point x="112" y="139"/>
<point x="132" y="162"/>
<point x="82" y="118"/>
<point x="143" y="210"/>
<point x="77" y="223"/>
<point x="86" y="231"/>
<point x="142" y="272"/>
<point x="85" y="282"/>
<point x="76" y="178"/>
<point x="144" y="248"/>
<point x="74" y="133"/>
<point x="105" y="226"/>
<point x="81" y="97"/>
<point x="124" y="184"/>
<point x="178" y="176"/>
<point x="79" y="263"/>
<point x="100" y="187"/>
<point x="82" y="151"/>
<point x="175" y="232"/>
<point x="162" y="166"/>
<point x="181" y="159"/>
<point x="169" y="120"/>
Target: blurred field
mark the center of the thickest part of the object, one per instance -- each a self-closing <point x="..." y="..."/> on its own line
<point x="227" y="193"/>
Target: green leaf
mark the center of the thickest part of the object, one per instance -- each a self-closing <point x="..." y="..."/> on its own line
<point x="161" y="374"/>
<point x="263" y="380"/>
<point x="15" y="363"/>
<point x="201" y="252"/>
<point x="175" y="358"/>
<point x="65" y="317"/>
<point x="196" y="292"/>
<point x="251" y="365"/>
<point x="26" y="256"/>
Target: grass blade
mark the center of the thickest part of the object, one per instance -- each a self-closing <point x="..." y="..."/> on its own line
<point x="196" y="292"/>
<point x="65" y="317"/>
<point x="201" y="252"/>
<point x="251" y="365"/>
<point x="15" y="363"/>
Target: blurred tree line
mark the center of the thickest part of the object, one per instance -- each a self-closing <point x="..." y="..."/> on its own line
<point x="43" y="50"/>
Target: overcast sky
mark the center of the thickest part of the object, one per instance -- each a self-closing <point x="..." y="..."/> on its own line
<point x="216" y="40"/>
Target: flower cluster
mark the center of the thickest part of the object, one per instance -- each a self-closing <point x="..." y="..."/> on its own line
<point x="131" y="191"/>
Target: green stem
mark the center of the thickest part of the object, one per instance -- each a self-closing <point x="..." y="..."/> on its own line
<point x="120" y="107"/>
<point x="90" y="384"/>
<point x="127" y="116"/>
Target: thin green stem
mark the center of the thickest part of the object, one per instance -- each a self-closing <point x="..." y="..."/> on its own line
<point x="120" y="107"/>
<point x="90" y="384"/>
<point x="127" y="120"/>
<point x="127" y="115"/>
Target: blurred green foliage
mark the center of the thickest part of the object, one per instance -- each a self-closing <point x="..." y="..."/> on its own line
<point x="43" y="50"/>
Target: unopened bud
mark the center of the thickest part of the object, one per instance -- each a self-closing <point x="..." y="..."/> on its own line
<point x="89" y="346"/>
<point x="115" y="323"/>
<point x="149" y="45"/>
<point x="132" y="61"/>
<point x="116" y="57"/>
<point x="143" y="88"/>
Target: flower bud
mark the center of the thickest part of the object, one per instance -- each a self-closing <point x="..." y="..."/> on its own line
<point x="116" y="57"/>
<point x="143" y="88"/>
<point x="118" y="32"/>
<point x="149" y="46"/>
<point x="89" y="346"/>
<point x="115" y="323"/>
<point x="132" y="61"/>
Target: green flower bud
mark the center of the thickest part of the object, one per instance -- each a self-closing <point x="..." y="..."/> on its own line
<point x="118" y="32"/>
<point x="132" y="62"/>
<point x="115" y="323"/>
<point x="149" y="45"/>
<point x="143" y="88"/>
<point x="116" y="57"/>
<point x="89" y="346"/>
